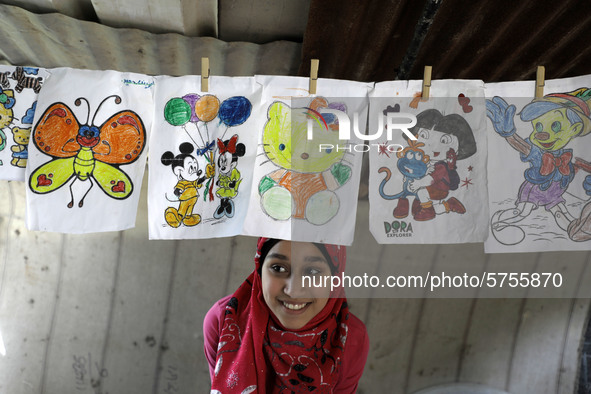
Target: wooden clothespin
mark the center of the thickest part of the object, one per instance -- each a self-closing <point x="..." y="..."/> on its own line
<point x="204" y="74"/>
<point x="313" y="75"/>
<point x="540" y="78"/>
<point x="427" y="82"/>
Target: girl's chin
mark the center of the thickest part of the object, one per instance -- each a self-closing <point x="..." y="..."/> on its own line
<point x="293" y="324"/>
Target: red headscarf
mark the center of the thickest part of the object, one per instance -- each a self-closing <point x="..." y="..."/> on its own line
<point x="257" y="354"/>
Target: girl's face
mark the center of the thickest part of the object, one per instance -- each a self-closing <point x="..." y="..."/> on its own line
<point x="437" y="143"/>
<point x="281" y="274"/>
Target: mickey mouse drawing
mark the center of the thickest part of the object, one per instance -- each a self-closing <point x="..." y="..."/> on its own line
<point x="185" y="167"/>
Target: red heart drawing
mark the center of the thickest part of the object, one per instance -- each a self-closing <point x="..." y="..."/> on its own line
<point x="119" y="187"/>
<point x="43" y="180"/>
<point x="464" y="101"/>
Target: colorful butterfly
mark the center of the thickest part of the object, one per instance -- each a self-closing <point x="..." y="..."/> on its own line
<point x="87" y="152"/>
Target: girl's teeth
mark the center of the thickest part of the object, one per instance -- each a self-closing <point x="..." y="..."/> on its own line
<point x="294" y="307"/>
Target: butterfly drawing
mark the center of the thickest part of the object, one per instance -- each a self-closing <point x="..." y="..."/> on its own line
<point x="85" y="151"/>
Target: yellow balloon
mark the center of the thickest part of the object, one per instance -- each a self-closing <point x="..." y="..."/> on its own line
<point x="207" y="107"/>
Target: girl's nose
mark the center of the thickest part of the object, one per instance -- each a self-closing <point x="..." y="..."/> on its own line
<point x="293" y="287"/>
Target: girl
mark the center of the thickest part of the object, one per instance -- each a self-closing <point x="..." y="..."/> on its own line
<point x="274" y="335"/>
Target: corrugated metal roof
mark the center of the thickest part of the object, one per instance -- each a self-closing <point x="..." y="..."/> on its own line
<point x="54" y="40"/>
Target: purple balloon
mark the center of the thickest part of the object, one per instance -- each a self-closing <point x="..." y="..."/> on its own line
<point x="340" y="106"/>
<point x="331" y="118"/>
<point x="191" y="99"/>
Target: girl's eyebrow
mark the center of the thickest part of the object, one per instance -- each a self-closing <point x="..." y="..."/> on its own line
<point x="278" y="256"/>
<point x="314" y="259"/>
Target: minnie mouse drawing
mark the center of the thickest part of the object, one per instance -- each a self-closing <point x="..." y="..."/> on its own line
<point x="229" y="176"/>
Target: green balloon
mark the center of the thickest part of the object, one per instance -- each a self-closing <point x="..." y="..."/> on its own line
<point x="177" y="112"/>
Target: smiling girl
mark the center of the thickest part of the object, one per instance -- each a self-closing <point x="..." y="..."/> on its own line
<point x="274" y="335"/>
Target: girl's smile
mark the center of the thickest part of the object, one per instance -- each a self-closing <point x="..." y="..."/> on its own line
<point x="295" y="308"/>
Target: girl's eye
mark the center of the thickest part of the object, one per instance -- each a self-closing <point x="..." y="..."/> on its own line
<point x="410" y="155"/>
<point x="556" y="127"/>
<point x="419" y="156"/>
<point x="539" y="127"/>
<point x="281" y="146"/>
<point x="446" y="139"/>
<point x="278" y="269"/>
<point x="313" y="271"/>
<point x="424" y="134"/>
